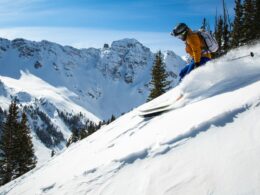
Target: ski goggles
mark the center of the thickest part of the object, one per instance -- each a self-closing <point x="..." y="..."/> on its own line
<point x="181" y="35"/>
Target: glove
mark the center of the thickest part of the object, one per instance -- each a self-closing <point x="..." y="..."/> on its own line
<point x="196" y="65"/>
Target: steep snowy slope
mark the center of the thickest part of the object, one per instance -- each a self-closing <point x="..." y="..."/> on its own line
<point x="208" y="145"/>
<point x="106" y="81"/>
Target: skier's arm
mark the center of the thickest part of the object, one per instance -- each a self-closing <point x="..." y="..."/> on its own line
<point x="194" y="47"/>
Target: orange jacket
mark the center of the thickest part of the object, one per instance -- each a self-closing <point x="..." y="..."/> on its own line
<point x="195" y="47"/>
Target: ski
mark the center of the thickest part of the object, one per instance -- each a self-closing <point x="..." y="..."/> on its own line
<point x="157" y="110"/>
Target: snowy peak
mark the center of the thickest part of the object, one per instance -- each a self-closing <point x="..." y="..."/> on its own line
<point x="95" y="76"/>
<point x="125" y="44"/>
<point x="124" y="59"/>
<point x="174" y="64"/>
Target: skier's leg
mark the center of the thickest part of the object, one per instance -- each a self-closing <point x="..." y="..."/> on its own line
<point x="183" y="72"/>
<point x="186" y="70"/>
<point x="191" y="67"/>
<point x="204" y="60"/>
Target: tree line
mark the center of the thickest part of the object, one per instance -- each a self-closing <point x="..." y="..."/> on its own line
<point x="90" y="128"/>
<point x="245" y="28"/>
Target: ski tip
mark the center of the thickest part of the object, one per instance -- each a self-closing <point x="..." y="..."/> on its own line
<point x="151" y="115"/>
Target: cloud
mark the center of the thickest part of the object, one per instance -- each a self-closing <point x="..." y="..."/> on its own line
<point x="18" y="9"/>
<point x="85" y="38"/>
<point x="18" y="5"/>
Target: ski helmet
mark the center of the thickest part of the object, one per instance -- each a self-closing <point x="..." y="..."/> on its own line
<point x="180" y="31"/>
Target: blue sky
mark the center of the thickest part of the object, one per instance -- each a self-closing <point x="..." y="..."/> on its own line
<point x="91" y="23"/>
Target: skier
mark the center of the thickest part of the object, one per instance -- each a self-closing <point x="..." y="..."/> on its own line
<point x="195" y="47"/>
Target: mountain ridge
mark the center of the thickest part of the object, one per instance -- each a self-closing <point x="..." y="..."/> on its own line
<point x="125" y="66"/>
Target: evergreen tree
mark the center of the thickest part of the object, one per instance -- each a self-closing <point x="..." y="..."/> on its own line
<point x="216" y="23"/>
<point x="79" y="134"/>
<point x="83" y="134"/>
<point x="91" y="128"/>
<point x="223" y="31"/>
<point x="112" y="118"/>
<point x="26" y="160"/>
<point x="74" y="137"/>
<point x="205" y="25"/>
<point x="248" y="32"/>
<point x="7" y="145"/>
<point x="237" y="25"/>
<point x="99" y="124"/>
<point x="257" y="19"/>
<point x="219" y="34"/>
<point x="52" y="153"/>
<point x="16" y="148"/>
<point x="226" y="29"/>
<point x="159" y="78"/>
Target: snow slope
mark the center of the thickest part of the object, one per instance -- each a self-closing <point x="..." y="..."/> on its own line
<point x="208" y="145"/>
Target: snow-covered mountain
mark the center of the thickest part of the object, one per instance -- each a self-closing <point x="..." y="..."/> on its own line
<point x="209" y="144"/>
<point x="51" y="111"/>
<point x="106" y="81"/>
<point x="62" y="87"/>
